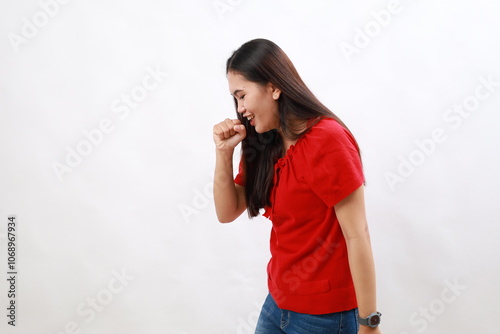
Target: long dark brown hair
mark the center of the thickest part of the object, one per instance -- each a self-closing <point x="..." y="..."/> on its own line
<point x="262" y="61"/>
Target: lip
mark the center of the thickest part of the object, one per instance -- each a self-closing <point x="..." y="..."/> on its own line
<point x="251" y="120"/>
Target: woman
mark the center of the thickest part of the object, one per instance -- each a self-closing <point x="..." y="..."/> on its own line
<point x="302" y="166"/>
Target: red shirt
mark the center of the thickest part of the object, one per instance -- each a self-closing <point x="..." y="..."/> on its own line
<point x="309" y="270"/>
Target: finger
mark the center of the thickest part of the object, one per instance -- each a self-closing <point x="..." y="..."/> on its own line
<point x="230" y="126"/>
<point x="225" y="131"/>
<point x="230" y="123"/>
<point x="240" y="128"/>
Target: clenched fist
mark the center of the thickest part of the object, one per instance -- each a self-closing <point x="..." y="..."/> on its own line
<point x="228" y="134"/>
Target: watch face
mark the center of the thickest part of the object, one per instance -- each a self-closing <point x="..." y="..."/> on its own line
<point x="374" y="320"/>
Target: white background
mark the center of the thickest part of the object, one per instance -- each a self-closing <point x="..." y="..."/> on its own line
<point x="139" y="202"/>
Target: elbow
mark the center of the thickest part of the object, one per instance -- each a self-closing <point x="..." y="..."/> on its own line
<point x="225" y="215"/>
<point x="361" y="235"/>
<point x="225" y="219"/>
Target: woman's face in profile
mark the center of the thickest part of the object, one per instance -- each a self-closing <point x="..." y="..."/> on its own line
<point x="255" y="102"/>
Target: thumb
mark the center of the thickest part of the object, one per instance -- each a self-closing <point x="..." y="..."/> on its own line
<point x="240" y="129"/>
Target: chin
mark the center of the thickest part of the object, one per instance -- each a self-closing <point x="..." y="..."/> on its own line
<point x="261" y="129"/>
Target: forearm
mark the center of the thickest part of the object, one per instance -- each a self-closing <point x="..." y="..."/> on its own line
<point x="225" y="193"/>
<point x="352" y="218"/>
<point x="363" y="273"/>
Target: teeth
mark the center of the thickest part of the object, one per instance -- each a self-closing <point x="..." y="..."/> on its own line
<point x="250" y="117"/>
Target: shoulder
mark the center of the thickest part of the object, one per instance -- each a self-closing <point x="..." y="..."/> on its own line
<point x="328" y="134"/>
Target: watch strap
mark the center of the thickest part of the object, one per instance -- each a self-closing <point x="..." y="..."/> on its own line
<point x="367" y="321"/>
<point x="363" y="321"/>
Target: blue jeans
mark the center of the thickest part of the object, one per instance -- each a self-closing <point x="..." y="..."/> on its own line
<point x="273" y="320"/>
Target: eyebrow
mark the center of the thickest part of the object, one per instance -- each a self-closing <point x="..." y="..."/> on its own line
<point x="236" y="92"/>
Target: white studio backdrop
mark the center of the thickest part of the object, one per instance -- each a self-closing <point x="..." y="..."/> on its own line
<point x="106" y="115"/>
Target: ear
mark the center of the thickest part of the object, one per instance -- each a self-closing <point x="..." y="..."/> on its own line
<point x="275" y="91"/>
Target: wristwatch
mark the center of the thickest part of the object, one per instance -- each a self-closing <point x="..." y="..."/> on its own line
<point x="372" y="321"/>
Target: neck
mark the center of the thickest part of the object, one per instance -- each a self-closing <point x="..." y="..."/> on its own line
<point x="287" y="142"/>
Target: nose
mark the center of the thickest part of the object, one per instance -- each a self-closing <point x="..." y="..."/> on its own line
<point x="241" y="108"/>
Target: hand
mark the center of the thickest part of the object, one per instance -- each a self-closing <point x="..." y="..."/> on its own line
<point x="228" y="134"/>
<point x="369" y="330"/>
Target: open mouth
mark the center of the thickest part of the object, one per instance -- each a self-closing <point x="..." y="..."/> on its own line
<point x="250" y="117"/>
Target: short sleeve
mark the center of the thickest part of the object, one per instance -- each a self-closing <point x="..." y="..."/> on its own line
<point x="331" y="165"/>
<point x="240" y="177"/>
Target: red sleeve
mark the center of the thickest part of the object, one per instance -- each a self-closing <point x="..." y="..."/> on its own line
<point x="331" y="166"/>
<point x="240" y="177"/>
